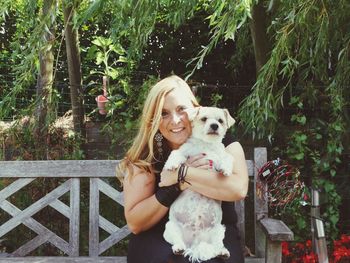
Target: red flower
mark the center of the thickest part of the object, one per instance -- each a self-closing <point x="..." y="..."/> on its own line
<point x="285" y="249"/>
<point x="341" y="253"/>
<point x="311" y="258"/>
<point x="345" y="239"/>
<point x="309" y="243"/>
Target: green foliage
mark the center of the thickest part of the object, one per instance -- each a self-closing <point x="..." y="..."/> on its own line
<point x="312" y="145"/>
<point x="125" y="114"/>
<point x="225" y="19"/>
<point x="104" y="51"/>
<point x="301" y="96"/>
<point x="26" y="45"/>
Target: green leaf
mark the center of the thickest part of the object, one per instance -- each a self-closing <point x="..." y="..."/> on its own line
<point x="299" y="156"/>
<point x="333" y="172"/>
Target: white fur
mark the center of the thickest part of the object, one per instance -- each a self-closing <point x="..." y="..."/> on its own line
<point x="194" y="228"/>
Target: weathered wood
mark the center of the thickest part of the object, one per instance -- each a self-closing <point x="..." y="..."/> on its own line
<point x="107" y="225"/>
<point x="260" y="203"/>
<point x="114" y="238"/>
<point x="63" y="260"/>
<point x="239" y="208"/>
<point x="61" y="207"/>
<point x="67" y="168"/>
<point x="13" y="187"/>
<point x="74" y="224"/>
<point x="254" y="260"/>
<point x="96" y="170"/>
<point x="111" y="192"/>
<point x="32" y="244"/>
<point x="34" y="208"/>
<point x="276" y="230"/>
<point x="37" y="228"/>
<point x="117" y="233"/>
<point x="250" y="167"/>
<point x="273" y="252"/>
<point x="57" y="169"/>
<point x="94" y="236"/>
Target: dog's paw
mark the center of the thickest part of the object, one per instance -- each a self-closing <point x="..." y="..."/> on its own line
<point x="224" y="254"/>
<point x="224" y="172"/>
<point x="169" y="167"/>
<point x="225" y="169"/>
<point x="178" y="249"/>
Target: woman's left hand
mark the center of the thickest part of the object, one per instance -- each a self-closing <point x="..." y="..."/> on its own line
<point x="168" y="178"/>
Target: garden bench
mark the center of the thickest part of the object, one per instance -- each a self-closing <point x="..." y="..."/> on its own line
<point x="268" y="232"/>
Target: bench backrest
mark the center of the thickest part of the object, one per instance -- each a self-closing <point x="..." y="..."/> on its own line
<point x="25" y="172"/>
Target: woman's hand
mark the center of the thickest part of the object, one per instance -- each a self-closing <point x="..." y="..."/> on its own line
<point x="200" y="161"/>
<point x="168" y="178"/>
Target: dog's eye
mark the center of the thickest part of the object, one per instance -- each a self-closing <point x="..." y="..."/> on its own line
<point x="221" y="121"/>
<point x="204" y="119"/>
<point x="181" y="108"/>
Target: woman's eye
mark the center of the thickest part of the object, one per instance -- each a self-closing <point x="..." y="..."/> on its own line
<point x="204" y="119"/>
<point x="164" y="114"/>
<point x="221" y="121"/>
<point x="181" y="108"/>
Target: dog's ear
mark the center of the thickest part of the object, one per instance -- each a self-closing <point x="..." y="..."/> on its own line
<point x="192" y="112"/>
<point x="229" y="120"/>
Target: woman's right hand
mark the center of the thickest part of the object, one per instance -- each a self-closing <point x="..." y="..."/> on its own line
<point x="200" y="161"/>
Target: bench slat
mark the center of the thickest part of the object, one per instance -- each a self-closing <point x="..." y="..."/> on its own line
<point x="63" y="260"/>
<point x="67" y="168"/>
<point x="58" y="168"/>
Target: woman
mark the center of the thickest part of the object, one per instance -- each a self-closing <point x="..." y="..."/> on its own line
<point x="149" y="191"/>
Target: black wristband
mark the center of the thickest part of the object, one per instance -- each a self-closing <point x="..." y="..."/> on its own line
<point x="166" y="195"/>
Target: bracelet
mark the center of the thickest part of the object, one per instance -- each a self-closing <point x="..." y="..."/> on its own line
<point x="181" y="174"/>
<point x="167" y="195"/>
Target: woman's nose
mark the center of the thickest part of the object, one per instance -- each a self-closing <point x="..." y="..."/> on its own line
<point x="176" y="118"/>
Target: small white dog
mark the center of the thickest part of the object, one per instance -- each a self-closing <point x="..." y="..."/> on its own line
<point x="194" y="228"/>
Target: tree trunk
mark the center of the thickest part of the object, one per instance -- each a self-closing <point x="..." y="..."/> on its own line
<point x="74" y="68"/>
<point x="258" y="30"/>
<point x="44" y="83"/>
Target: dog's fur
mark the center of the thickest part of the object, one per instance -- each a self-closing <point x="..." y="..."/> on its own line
<point x="194" y="228"/>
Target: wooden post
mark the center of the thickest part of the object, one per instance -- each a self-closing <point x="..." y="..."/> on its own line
<point x="274" y="252"/>
<point x="318" y="236"/>
<point x="260" y="202"/>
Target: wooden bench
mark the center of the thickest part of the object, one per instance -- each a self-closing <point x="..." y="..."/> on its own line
<point x="268" y="232"/>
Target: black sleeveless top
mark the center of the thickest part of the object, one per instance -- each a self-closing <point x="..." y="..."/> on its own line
<point x="150" y="246"/>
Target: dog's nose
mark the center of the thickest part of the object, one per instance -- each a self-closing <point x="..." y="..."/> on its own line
<point x="214" y="126"/>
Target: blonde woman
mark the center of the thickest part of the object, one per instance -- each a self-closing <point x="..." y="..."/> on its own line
<point x="165" y="126"/>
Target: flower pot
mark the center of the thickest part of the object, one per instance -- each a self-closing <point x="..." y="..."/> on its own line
<point x="101" y="104"/>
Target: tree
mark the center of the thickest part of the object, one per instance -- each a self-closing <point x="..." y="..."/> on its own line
<point x="45" y="77"/>
<point x="74" y="66"/>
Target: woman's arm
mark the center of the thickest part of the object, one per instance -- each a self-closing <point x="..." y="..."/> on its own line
<point x="142" y="210"/>
<point x="213" y="184"/>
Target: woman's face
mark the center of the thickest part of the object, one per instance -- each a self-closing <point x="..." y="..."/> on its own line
<point x="174" y="125"/>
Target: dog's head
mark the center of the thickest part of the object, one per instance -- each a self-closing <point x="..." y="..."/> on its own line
<point x="209" y="123"/>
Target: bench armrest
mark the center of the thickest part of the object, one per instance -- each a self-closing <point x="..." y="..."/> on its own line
<point x="276" y="230"/>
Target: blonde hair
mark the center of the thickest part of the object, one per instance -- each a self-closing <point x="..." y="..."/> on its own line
<point x="141" y="153"/>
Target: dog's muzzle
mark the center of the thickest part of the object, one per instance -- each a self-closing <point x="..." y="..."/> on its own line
<point x="213" y="129"/>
